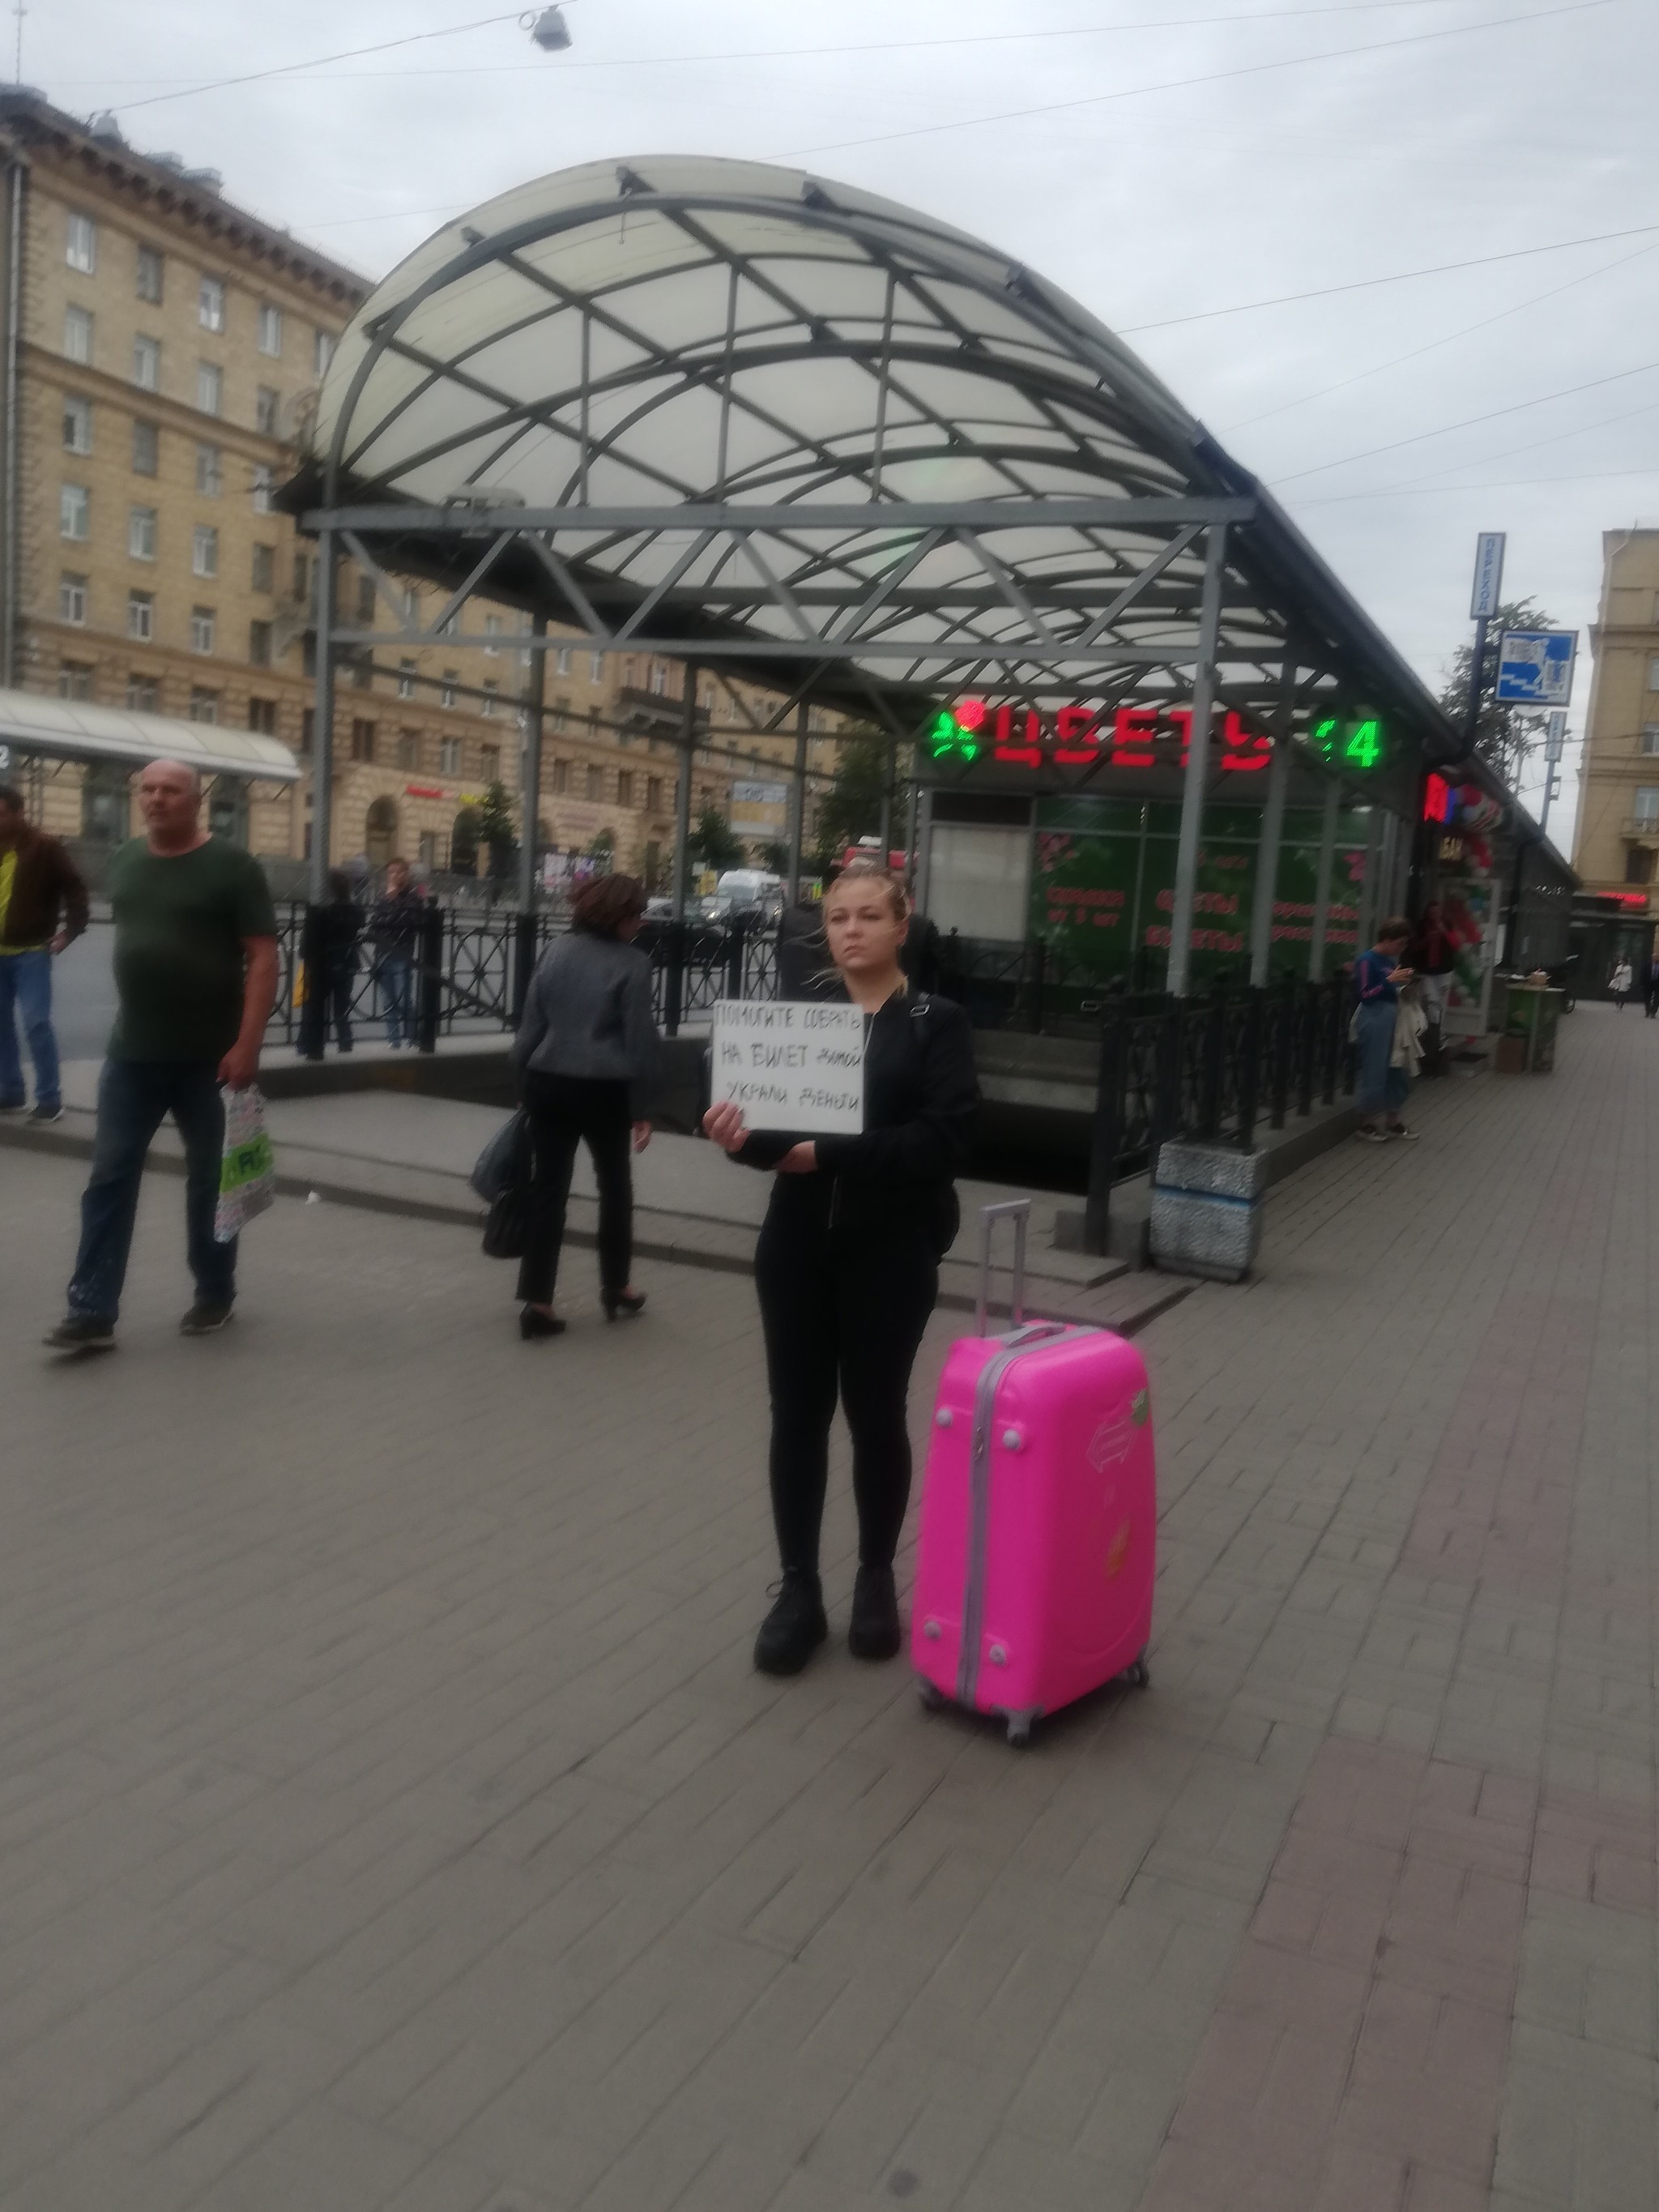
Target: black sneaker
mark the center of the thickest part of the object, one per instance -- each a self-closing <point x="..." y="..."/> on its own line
<point x="43" y="1114"/>
<point x="12" y="1105"/>
<point x="79" y="1331"/>
<point x="204" y="1320"/>
<point x="874" y="1631"/>
<point x="794" y="1628"/>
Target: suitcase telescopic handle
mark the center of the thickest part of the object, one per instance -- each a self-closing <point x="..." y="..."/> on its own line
<point x="1019" y="1210"/>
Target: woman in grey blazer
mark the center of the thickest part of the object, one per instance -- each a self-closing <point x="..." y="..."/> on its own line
<point x="586" y="1052"/>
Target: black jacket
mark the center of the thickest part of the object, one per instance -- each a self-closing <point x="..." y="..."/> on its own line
<point x="920" y="1100"/>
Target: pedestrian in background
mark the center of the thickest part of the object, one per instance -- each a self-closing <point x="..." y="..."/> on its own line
<point x="1619" y="983"/>
<point x="195" y="982"/>
<point x="338" y="936"/>
<point x="1406" y="1055"/>
<point x="42" y="907"/>
<point x="1653" y="985"/>
<point x="847" y="1270"/>
<point x="1378" y="977"/>
<point x="804" y="968"/>
<point x="395" y="929"/>
<point x="1434" y="958"/>
<point x="586" y="1052"/>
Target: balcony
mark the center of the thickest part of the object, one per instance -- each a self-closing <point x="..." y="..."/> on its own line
<point x="1640" y="828"/>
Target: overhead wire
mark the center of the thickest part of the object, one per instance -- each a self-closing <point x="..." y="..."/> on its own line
<point x="288" y="69"/>
<point x="1187" y="83"/>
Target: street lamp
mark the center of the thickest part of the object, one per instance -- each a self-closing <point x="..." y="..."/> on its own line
<point x="548" y="29"/>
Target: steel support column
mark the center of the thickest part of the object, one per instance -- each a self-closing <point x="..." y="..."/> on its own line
<point x="529" y="770"/>
<point x="1372" y="907"/>
<point x="322" y="734"/>
<point x="887" y="800"/>
<point x="682" y="793"/>
<point x="798" y="800"/>
<point x="1323" y="883"/>
<point x="1272" y="832"/>
<point x="1198" y="764"/>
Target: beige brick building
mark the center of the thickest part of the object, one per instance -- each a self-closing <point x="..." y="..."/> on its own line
<point x="1616" y="843"/>
<point x="162" y="350"/>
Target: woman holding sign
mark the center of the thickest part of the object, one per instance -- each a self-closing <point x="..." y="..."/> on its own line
<point x="847" y="1269"/>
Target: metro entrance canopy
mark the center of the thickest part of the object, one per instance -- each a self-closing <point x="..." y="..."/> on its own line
<point x="796" y="433"/>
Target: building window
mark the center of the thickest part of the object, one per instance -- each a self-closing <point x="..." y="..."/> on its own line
<point x="560" y="777"/>
<point x="1649" y="739"/>
<point x="491" y="692"/>
<point x="322" y="352"/>
<point x="366" y="601"/>
<point x="204" y="551"/>
<point x="262" y="716"/>
<point x="141" y="533"/>
<point x="449" y="756"/>
<point x="75" y="679"/>
<point x="258" y="644"/>
<point x="77" y="424"/>
<point x="596" y="783"/>
<point x="203" y="705"/>
<point x="209" y="471"/>
<point x="658" y="679"/>
<point x="302" y="579"/>
<point x="561" y="661"/>
<point x="146" y="449"/>
<point x="411" y="605"/>
<point x="362" y="740"/>
<point x="447" y="698"/>
<point x="262" y="487"/>
<point x="265" y="567"/>
<point x="202" y="624"/>
<point x="75" y="512"/>
<point x="82" y="244"/>
<point x="362" y="664"/>
<point x="271" y="331"/>
<point x="77" y="334"/>
<point x="1653" y="673"/>
<point x="405" y="679"/>
<point x="492" y="632"/>
<point x="408" y="749"/>
<point x="490" y="763"/>
<point x="210" y="387"/>
<point x="561" y="713"/>
<point x="144" y="694"/>
<point x="141" y="616"/>
<point x="593" y="725"/>
<point x="624" y="787"/>
<point x="147" y="363"/>
<point x="267" y="405"/>
<point x="1646" y="807"/>
<point x="307" y="727"/>
<point x="211" y="304"/>
<point x="149" y="275"/>
<point x="596" y="667"/>
<point x="654" y="794"/>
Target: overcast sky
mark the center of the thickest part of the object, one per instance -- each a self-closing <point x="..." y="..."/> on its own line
<point x="1332" y="142"/>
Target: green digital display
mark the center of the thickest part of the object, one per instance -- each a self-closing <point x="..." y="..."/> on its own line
<point x="948" y="740"/>
<point x="1352" y="744"/>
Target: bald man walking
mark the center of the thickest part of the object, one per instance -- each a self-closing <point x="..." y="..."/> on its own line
<point x="195" y="980"/>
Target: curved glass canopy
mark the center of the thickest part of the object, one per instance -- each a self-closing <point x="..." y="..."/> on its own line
<point x="731" y="411"/>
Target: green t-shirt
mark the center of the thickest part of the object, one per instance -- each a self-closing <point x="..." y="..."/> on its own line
<point x="180" y="922"/>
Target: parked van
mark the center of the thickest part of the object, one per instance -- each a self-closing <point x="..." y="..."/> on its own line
<point x="748" y="891"/>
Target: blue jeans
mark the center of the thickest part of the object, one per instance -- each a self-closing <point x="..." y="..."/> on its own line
<point x="398" y="997"/>
<point x="1375" y="1042"/>
<point x="135" y="1097"/>
<point x="26" y="991"/>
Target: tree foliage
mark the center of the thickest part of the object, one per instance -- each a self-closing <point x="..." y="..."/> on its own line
<point x="774" y="857"/>
<point x="1504" y="737"/>
<point x="714" y="844"/>
<point x="495" y="829"/>
<point x="851" y="808"/>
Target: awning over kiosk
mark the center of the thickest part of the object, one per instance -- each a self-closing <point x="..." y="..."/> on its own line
<point x="74" y="729"/>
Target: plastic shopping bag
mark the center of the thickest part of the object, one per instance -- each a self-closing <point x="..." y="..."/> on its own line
<point x="505" y="1161"/>
<point x="247" y="1168"/>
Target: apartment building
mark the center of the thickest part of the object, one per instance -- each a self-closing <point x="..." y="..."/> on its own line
<point x="1616" y="839"/>
<point x="163" y="351"/>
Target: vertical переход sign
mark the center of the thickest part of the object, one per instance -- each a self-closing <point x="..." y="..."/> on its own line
<point x="790" y="1064"/>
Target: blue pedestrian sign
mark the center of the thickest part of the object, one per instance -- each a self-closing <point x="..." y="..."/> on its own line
<point x="1534" y="668"/>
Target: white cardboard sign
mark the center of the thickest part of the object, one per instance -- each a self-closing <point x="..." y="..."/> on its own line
<point x="790" y="1064"/>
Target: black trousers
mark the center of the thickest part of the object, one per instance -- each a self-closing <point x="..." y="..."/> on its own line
<point x="842" y="1315"/>
<point x="566" y="1110"/>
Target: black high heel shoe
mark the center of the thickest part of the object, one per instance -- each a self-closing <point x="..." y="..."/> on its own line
<point x="532" y="1324"/>
<point x="626" y="1304"/>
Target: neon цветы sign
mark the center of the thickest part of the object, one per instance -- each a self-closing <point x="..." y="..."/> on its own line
<point x="1076" y="737"/>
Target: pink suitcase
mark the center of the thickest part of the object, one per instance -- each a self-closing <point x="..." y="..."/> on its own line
<point x="1039" y="1515"/>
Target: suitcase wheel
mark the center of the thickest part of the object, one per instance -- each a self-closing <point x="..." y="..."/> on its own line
<point x="1019" y="1730"/>
<point x="930" y="1694"/>
<point x="1138" y="1674"/>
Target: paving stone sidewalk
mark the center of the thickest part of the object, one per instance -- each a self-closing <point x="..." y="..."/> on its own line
<point x="389" y="1816"/>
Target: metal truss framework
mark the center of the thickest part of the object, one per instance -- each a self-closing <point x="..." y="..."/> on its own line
<point x="798" y="435"/>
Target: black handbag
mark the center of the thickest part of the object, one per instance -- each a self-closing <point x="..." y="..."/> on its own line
<point x="507" y="1224"/>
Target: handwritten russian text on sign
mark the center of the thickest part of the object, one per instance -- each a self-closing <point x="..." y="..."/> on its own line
<point x="790" y="1064"/>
